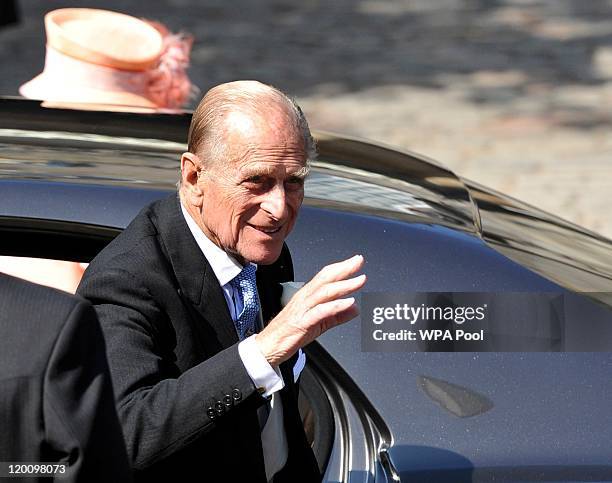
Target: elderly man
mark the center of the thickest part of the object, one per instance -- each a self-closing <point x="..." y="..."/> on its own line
<point x="203" y="359"/>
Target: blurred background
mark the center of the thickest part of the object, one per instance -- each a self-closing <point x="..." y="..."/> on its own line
<point x="514" y="94"/>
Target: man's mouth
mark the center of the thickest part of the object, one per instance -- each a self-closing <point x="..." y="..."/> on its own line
<point x="269" y="230"/>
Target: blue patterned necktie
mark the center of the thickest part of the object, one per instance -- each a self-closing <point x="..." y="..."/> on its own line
<point x="244" y="283"/>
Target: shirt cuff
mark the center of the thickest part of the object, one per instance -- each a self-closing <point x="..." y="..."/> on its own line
<point x="266" y="378"/>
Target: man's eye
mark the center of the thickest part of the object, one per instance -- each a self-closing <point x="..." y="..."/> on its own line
<point x="296" y="181"/>
<point x="255" y="179"/>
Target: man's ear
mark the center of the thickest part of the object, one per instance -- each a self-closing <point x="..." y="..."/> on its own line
<point x="190" y="169"/>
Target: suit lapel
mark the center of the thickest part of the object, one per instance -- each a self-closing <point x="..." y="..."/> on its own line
<point x="269" y="295"/>
<point x="213" y="307"/>
<point x="196" y="279"/>
<point x="269" y="278"/>
<point x="269" y="288"/>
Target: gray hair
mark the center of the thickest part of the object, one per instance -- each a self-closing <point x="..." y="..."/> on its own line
<point x="206" y="134"/>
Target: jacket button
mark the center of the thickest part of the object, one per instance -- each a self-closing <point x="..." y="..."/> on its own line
<point x="237" y="395"/>
<point x="220" y="408"/>
<point x="211" y="413"/>
<point x="228" y="401"/>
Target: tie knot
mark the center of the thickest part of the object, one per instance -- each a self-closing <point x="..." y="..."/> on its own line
<point x="246" y="276"/>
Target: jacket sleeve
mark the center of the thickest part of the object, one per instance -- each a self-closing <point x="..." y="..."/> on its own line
<point x="80" y="422"/>
<point x="161" y="408"/>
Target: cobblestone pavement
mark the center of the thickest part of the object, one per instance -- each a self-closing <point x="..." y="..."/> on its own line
<point x="515" y="94"/>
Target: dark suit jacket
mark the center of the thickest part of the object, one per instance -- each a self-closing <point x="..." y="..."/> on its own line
<point x="56" y="398"/>
<point x="186" y="403"/>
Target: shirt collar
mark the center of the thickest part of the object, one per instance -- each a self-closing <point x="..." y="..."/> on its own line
<point x="224" y="266"/>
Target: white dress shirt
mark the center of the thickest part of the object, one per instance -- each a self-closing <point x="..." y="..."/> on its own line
<point x="268" y="379"/>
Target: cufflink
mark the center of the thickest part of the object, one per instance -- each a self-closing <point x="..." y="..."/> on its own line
<point x="261" y="390"/>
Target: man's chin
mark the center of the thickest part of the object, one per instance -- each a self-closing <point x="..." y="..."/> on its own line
<point x="267" y="259"/>
<point x="263" y="256"/>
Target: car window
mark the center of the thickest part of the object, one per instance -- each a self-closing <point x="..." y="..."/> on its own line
<point x="50" y="252"/>
<point x="61" y="274"/>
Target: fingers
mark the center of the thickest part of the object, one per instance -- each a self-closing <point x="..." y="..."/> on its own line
<point x="332" y="282"/>
<point x="333" y="313"/>
<point x="338" y="271"/>
<point x="335" y="290"/>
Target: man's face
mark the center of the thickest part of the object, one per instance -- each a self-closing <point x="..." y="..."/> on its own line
<point x="251" y="198"/>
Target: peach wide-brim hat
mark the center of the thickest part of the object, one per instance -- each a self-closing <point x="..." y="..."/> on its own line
<point x="103" y="57"/>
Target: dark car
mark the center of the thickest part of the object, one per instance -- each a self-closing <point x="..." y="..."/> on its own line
<point x="71" y="180"/>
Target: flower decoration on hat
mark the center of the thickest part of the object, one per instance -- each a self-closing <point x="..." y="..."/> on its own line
<point x="100" y="57"/>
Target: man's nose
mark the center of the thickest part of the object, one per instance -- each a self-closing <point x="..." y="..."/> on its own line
<point x="275" y="202"/>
